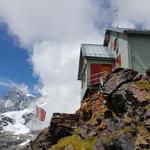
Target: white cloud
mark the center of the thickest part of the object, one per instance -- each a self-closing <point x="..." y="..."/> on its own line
<point x="54" y="20"/>
<point x="10" y="84"/>
<point x="5" y="84"/>
<point x="132" y="12"/>
<point x="58" y="74"/>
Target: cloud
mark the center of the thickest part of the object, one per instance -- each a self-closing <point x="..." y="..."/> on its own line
<point x="6" y="84"/>
<point x="58" y="74"/>
<point x="10" y="84"/>
<point x="54" y="20"/>
<point x="53" y="29"/>
<point x="132" y="13"/>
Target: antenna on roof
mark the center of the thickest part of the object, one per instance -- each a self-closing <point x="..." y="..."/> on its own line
<point x="116" y="15"/>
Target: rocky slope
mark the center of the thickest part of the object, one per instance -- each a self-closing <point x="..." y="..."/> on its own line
<point x="115" y="118"/>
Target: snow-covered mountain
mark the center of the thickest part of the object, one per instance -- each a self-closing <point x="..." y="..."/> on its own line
<point x="19" y="122"/>
<point x="15" y="100"/>
<point x="14" y="129"/>
<point x="17" y="128"/>
<point x="15" y="121"/>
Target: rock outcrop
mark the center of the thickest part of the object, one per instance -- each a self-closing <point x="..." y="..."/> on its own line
<point x="115" y="118"/>
<point x="61" y="125"/>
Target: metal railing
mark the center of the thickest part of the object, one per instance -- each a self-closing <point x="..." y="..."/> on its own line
<point x="97" y="78"/>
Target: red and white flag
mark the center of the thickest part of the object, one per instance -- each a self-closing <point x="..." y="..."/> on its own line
<point x="41" y="113"/>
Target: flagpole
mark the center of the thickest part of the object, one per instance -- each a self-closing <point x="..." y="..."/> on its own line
<point x="33" y="106"/>
<point x="116" y="11"/>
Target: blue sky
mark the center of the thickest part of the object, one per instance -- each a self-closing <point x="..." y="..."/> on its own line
<point x="14" y="63"/>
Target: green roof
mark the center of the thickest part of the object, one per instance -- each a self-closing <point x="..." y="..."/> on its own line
<point x="94" y="50"/>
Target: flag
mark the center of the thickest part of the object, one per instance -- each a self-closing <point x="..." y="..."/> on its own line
<point x="40" y="112"/>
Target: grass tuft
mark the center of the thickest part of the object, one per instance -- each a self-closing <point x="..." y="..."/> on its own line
<point x="75" y="142"/>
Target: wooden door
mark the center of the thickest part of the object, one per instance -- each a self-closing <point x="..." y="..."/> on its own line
<point x="107" y="68"/>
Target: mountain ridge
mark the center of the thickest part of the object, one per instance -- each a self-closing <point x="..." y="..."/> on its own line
<point x="15" y="100"/>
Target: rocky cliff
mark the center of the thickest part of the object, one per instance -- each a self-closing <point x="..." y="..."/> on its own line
<point x="115" y="118"/>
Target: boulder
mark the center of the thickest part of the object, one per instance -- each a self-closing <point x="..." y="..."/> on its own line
<point x="117" y="79"/>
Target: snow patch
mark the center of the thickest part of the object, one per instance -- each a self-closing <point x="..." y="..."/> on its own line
<point x="17" y="129"/>
<point x="18" y="126"/>
<point x="30" y="95"/>
<point x="24" y="143"/>
<point x="9" y="104"/>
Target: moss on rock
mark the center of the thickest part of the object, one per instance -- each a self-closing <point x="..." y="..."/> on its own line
<point x="143" y="85"/>
<point x="75" y="142"/>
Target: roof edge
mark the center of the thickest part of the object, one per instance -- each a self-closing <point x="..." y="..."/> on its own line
<point x="129" y="30"/>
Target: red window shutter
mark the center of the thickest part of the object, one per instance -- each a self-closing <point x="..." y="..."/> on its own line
<point x="115" y="44"/>
<point x="119" y="60"/>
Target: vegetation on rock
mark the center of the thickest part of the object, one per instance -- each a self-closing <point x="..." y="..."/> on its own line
<point x="143" y="85"/>
<point x="75" y="143"/>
